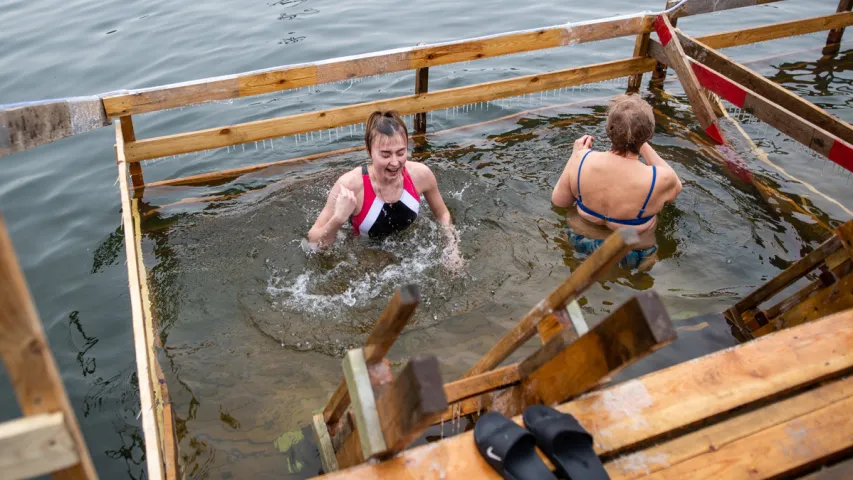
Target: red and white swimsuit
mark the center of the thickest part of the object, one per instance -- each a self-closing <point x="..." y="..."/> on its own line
<point x="378" y="219"/>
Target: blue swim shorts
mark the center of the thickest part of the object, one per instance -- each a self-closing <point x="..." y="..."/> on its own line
<point x="632" y="260"/>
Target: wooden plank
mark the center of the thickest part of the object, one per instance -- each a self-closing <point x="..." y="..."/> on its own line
<point x="845" y="234"/>
<point x="633" y="412"/>
<point x="28" y="359"/>
<point x="832" y="299"/>
<point x="324" y="443"/>
<point x="803" y="131"/>
<point x="776" y="31"/>
<point x="634" y="330"/>
<point x="800" y="296"/>
<point x="350" y="453"/>
<point x="790" y="275"/>
<point x="154" y="460"/>
<point x="36" y="445"/>
<point x="27" y="125"/>
<point x="479" y="384"/>
<point x="678" y="61"/>
<point x="600" y="262"/>
<point x="363" y="403"/>
<point x="706" y="440"/>
<point x="833" y="39"/>
<point x="421" y="86"/>
<point x="762" y="86"/>
<point x="365" y="65"/>
<point x="391" y="323"/>
<point x="780" y="451"/>
<point x="353" y="114"/>
<point x="411" y="404"/>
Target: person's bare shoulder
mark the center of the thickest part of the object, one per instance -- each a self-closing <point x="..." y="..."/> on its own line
<point x="421" y="174"/>
<point x="352" y="180"/>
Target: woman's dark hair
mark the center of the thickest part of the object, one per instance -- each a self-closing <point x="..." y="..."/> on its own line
<point x="630" y="124"/>
<point x="386" y="123"/>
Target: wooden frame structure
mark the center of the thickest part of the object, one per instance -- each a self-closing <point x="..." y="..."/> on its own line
<point x="777" y="407"/>
<point x="25" y="126"/>
<point x="48" y="438"/>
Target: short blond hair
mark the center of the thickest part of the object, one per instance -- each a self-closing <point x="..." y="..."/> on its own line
<point x="630" y="124"/>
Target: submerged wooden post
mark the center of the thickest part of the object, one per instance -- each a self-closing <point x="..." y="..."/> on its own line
<point x="833" y="39"/>
<point x="28" y="359"/>
<point x="659" y="73"/>
<point x="641" y="48"/>
<point x="678" y="61"/>
<point x="421" y="86"/>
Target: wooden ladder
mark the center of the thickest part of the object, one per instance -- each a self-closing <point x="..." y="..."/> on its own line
<point x="47" y="438"/>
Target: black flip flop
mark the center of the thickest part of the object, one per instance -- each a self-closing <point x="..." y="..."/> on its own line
<point x="566" y="443"/>
<point x="509" y="449"/>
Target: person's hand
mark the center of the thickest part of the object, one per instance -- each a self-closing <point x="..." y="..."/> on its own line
<point x="344" y="204"/>
<point x="584" y="143"/>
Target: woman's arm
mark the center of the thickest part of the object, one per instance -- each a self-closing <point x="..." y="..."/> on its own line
<point x="562" y="196"/>
<point x="667" y="174"/>
<point x="339" y="206"/>
<point x="428" y="185"/>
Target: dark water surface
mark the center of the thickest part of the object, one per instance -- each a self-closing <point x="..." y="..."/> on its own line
<point x="254" y="326"/>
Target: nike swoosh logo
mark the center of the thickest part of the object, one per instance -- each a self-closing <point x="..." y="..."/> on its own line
<point x="492" y="455"/>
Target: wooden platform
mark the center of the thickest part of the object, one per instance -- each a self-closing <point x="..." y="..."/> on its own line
<point x="774" y="407"/>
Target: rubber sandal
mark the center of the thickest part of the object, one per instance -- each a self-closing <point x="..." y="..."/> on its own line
<point x="565" y="442"/>
<point x="509" y="449"/>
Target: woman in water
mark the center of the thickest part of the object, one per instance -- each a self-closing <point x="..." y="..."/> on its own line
<point x="382" y="197"/>
<point x="614" y="189"/>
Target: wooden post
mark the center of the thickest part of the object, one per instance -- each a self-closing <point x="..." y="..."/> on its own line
<point x="678" y="60"/>
<point x="324" y="443"/>
<point x="833" y="40"/>
<point x="128" y="135"/>
<point x="600" y="262"/>
<point x="641" y="48"/>
<point x="28" y="359"/>
<point x="392" y="321"/>
<point x="363" y="403"/>
<point x="659" y="74"/>
<point x="421" y="86"/>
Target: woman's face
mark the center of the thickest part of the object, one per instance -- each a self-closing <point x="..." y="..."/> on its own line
<point x="389" y="154"/>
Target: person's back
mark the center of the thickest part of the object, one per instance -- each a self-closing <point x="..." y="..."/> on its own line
<point x="614" y="188"/>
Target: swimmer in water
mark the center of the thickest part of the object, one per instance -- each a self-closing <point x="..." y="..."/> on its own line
<point x="614" y="189"/>
<point x="382" y="197"/>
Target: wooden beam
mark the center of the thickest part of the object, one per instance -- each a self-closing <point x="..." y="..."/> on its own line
<point x="27" y="125"/>
<point x="483" y="383"/>
<point x="128" y="135"/>
<point x="353" y="114"/>
<point x="762" y="86"/>
<point x="600" y="262"/>
<point x="28" y="359"/>
<point x="721" y="435"/>
<point x="638" y="411"/>
<point x="776" y="31"/>
<point x="833" y="39"/>
<point x="781" y="451"/>
<point x="845" y="234"/>
<point x="411" y="404"/>
<point x="365" y="65"/>
<point x="363" y="403"/>
<point x="324" y="443"/>
<point x="800" y="296"/>
<point x="153" y="458"/>
<point x="385" y="332"/>
<point x="790" y="275"/>
<point x="36" y="445"/>
<point x="678" y="61"/>
<point x="803" y="131"/>
<point x="636" y="329"/>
